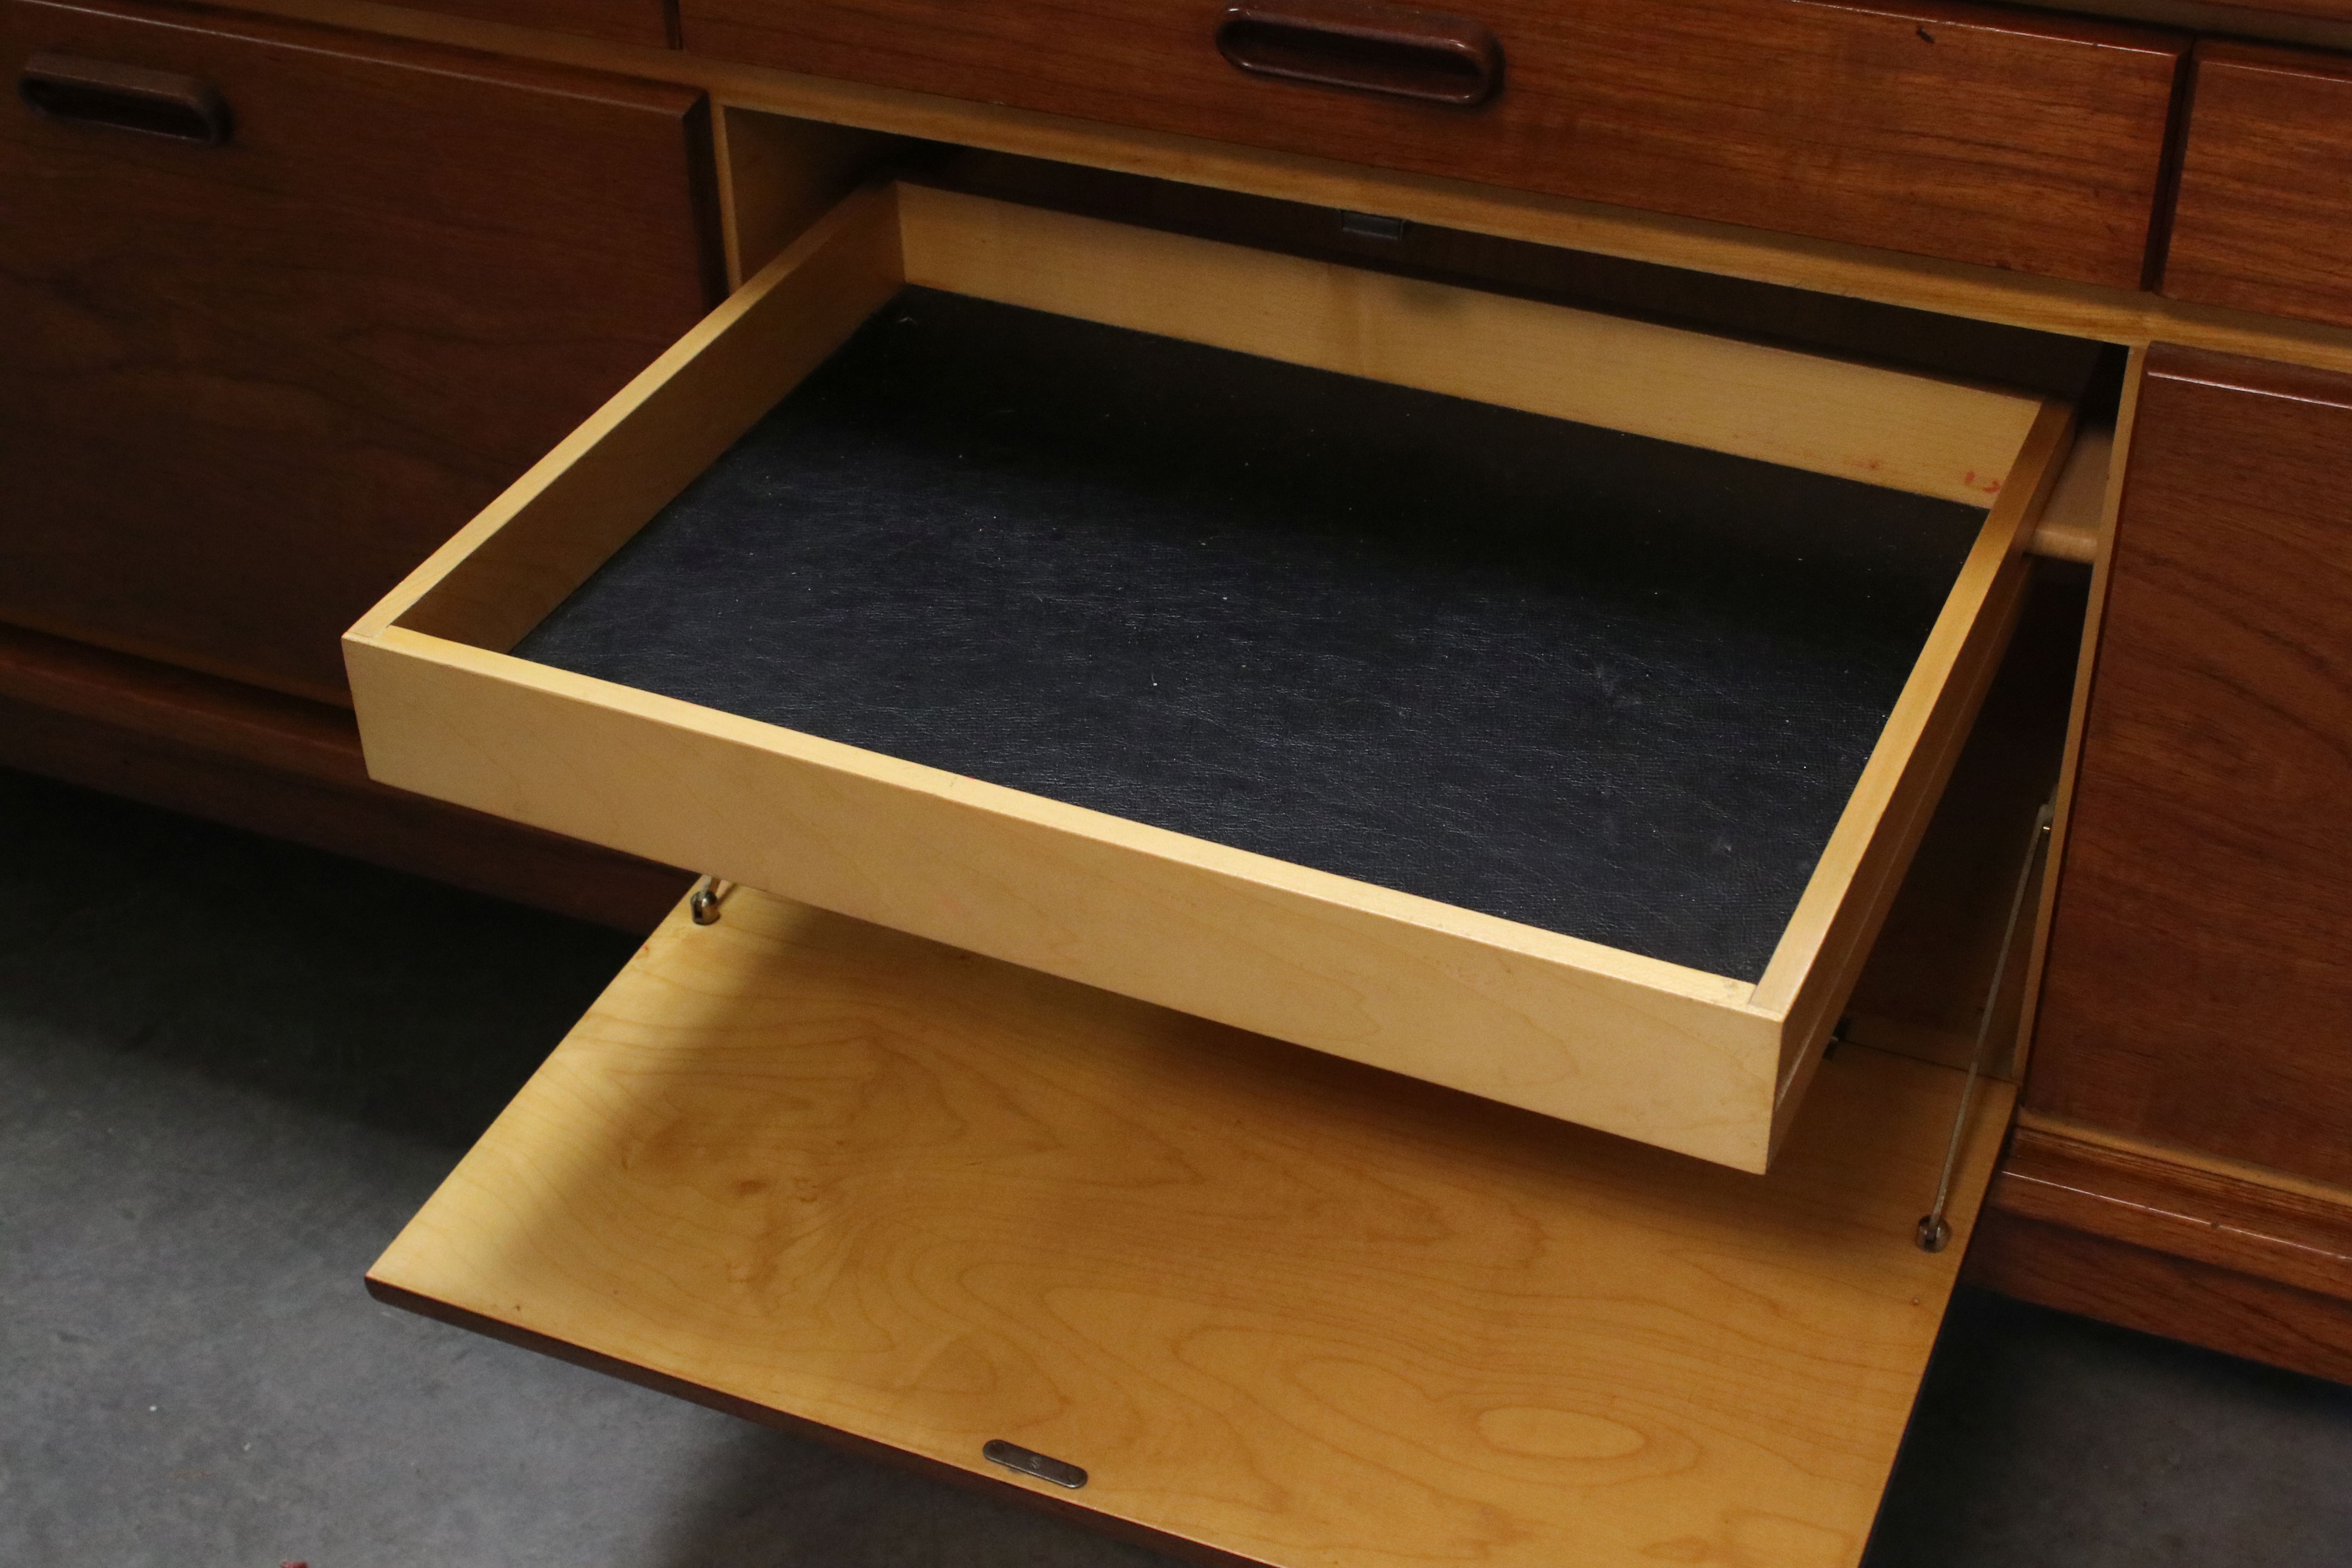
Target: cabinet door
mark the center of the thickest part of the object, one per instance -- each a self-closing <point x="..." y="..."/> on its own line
<point x="2200" y="981"/>
<point x="245" y="387"/>
<point x="2264" y="218"/>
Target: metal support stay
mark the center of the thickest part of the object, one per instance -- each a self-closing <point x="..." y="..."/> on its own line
<point x="1934" y="1232"/>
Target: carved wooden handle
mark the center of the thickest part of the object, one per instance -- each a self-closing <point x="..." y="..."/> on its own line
<point x="1367" y="46"/>
<point x="130" y="98"/>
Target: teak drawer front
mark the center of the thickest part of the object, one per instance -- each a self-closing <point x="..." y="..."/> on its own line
<point x="2010" y="139"/>
<point x="246" y="386"/>
<point x="1697" y="1061"/>
<point x="645" y="22"/>
<point x="2264" y="220"/>
<point x="1275" y="1305"/>
<point x="2199" y="989"/>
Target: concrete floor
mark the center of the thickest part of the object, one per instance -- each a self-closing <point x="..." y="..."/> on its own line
<point x="229" y="1069"/>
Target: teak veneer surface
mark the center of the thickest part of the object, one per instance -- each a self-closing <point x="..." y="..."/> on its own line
<point x="648" y="23"/>
<point x="2198" y="987"/>
<point x="2161" y="1292"/>
<point x="2032" y="143"/>
<point x="248" y="386"/>
<point x="2264" y="219"/>
<point x="2242" y="1218"/>
<point x="1278" y="1304"/>
<point x="1573" y="678"/>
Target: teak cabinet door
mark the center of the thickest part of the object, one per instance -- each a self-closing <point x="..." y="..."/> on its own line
<point x="2200" y="979"/>
<point x="2263" y="221"/>
<point x="2012" y="139"/>
<point x="245" y="386"/>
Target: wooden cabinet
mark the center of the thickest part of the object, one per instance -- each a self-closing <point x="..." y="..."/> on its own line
<point x="2200" y="979"/>
<point x="2016" y="139"/>
<point x="2264" y="220"/>
<point x="650" y="23"/>
<point x="248" y="386"/>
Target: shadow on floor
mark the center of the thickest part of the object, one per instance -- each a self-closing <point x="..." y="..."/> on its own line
<point x="333" y="987"/>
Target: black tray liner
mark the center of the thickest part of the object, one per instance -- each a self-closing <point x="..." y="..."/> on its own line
<point x="1598" y="683"/>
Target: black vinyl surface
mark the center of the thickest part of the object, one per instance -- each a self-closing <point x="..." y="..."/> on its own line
<point x="1597" y="683"/>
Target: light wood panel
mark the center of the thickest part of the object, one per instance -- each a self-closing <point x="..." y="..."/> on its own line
<point x="1273" y="1303"/>
<point x="1569" y="1027"/>
<point x="1884" y="428"/>
<point x="2116" y="315"/>
<point x="2075" y="518"/>
<point x="1536" y="1020"/>
<point x="599" y="484"/>
<point x="1820" y="956"/>
<point x="1922" y="991"/>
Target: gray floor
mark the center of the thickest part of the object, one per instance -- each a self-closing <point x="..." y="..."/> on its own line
<point x="229" y="1069"/>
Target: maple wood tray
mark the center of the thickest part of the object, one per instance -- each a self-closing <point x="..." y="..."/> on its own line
<point x="565" y="662"/>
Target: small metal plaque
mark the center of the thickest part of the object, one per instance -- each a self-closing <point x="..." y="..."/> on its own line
<point x="1372" y="225"/>
<point x="1013" y="1457"/>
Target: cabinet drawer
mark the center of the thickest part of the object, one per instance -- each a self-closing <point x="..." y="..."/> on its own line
<point x="1270" y="1304"/>
<point x="644" y="22"/>
<point x="2263" y="221"/>
<point x="2009" y="139"/>
<point x="1080" y="614"/>
<point x="246" y="386"/>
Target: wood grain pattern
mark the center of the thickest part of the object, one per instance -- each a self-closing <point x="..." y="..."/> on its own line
<point x="2159" y="1293"/>
<point x="2174" y="1201"/>
<point x="650" y="23"/>
<point x="1534" y="1019"/>
<point x="2264" y="219"/>
<point x="1862" y="271"/>
<point x="1839" y="325"/>
<point x="247" y="387"/>
<point x="290" y="769"/>
<point x="1569" y="1028"/>
<point x="2070" y="765"/>
<point x="1904" y="431"/>
<point x="1273" y="1303"/>
<point x="1941" y="129"/>
<point x="2199" y="984"/>
<point x="1829" y="934"/>
<point x="778" y="176"/>
<point x="1922" y="991"/>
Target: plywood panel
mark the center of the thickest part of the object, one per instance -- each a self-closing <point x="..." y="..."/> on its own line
<point x="1273" y="1303"/>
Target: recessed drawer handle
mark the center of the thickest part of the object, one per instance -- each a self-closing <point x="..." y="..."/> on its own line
<point x="100" y="92"/>
<point x="1362" y="44"/>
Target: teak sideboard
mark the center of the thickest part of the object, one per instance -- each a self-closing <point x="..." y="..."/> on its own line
<point x="1279" y="1148"/>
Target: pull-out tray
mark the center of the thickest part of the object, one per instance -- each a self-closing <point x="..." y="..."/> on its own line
<point x="1280" y="1306"/>
<point x="1539" y="703"/>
